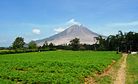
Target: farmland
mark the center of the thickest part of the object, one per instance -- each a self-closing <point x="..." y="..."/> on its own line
<point x="54" y="66"/>
<point x="132" y="69"/>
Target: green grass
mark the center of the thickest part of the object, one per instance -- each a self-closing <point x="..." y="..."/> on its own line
<point x="56" y="67"/>
<point x="105" y="80"/>
<point x="132" y="69"/>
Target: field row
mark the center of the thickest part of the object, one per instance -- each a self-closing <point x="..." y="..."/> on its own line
<point x="53" y="66"/>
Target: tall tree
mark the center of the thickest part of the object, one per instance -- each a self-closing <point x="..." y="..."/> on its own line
<point x="32" y="45"/>
<point x="45" y="45"/>
<point x="75" y="44"/>
<point x="101" y="42"/>
<point x="18" y="43"/>
<point x="51" y="45"/>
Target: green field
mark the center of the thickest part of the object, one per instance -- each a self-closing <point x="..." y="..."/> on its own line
<point x="132" y="69"/>
<point x="56" y="67"/>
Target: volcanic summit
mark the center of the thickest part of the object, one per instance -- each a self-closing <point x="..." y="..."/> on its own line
<point x="85" y="35"/>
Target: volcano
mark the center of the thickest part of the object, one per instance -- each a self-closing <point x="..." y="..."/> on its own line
<point x="85" y="35"/>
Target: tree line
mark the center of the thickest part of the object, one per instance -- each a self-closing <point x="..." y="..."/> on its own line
<point x="74" y="44"/>
<point x="121" y="42"/>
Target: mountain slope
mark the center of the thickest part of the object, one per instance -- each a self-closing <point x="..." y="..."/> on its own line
<point x="75" y="31"/>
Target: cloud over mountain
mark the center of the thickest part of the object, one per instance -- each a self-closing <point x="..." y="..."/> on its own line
<point x="73" y="22"/>
<point x="36" y="31"/>
<point x="58" y="30"/>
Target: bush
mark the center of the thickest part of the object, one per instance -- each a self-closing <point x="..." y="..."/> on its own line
<point x="7" y="51"/>
<point x="25" y="50"/>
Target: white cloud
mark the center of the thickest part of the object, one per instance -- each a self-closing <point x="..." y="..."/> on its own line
<point x="72" y="22"/>
<point x="66" y="25"/>
<point x="58" y="30"/>
<point x="36" y="31"/>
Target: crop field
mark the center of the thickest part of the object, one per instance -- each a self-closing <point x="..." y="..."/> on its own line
<point x="132" y="69"/>
<point x="53" y="67"/>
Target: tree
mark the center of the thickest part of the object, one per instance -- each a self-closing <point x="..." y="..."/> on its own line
<point x="18" y="43"/>
<point x="32" y="45"/>
<point x="111" y="43"/>
<point x="51" y="45"/>
<point x="45" y="45"/>
<point x="102" y="42"/>
<point x="75" y="44"/>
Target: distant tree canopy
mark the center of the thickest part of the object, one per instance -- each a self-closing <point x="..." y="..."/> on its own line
<point x="51" y="45"/>
<point x="45" y="45"/>
<point x="32" y="45"/>
<point x="75" y="44"/>
<point x="101" y="42"/>
<point x="18" y="43"/>
<point x="122" y="42"/>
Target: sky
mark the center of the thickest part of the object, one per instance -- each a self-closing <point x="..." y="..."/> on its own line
<point x="38" y="19"/>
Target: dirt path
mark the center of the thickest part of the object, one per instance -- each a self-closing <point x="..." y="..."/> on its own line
<point x="107" y="71"/>
<point x="120" y="79"/>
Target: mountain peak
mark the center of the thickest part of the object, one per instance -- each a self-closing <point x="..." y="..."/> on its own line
<point x="76" y="26"/>
<point x="85" y="35"/>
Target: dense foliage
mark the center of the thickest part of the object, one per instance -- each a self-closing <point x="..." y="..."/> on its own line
<point x="75" y="44"/>
<point x="122" y="42"/>
<point x="54" y="67"/>
<point x="18" y="43"/>
<point x="32" y="45"/>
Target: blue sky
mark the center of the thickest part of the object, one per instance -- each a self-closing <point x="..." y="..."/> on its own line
<point x="36" y="19"/>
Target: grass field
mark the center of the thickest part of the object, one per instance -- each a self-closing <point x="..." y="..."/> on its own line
<point x="132" y="69"/>
<point x="56" y="67"/>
